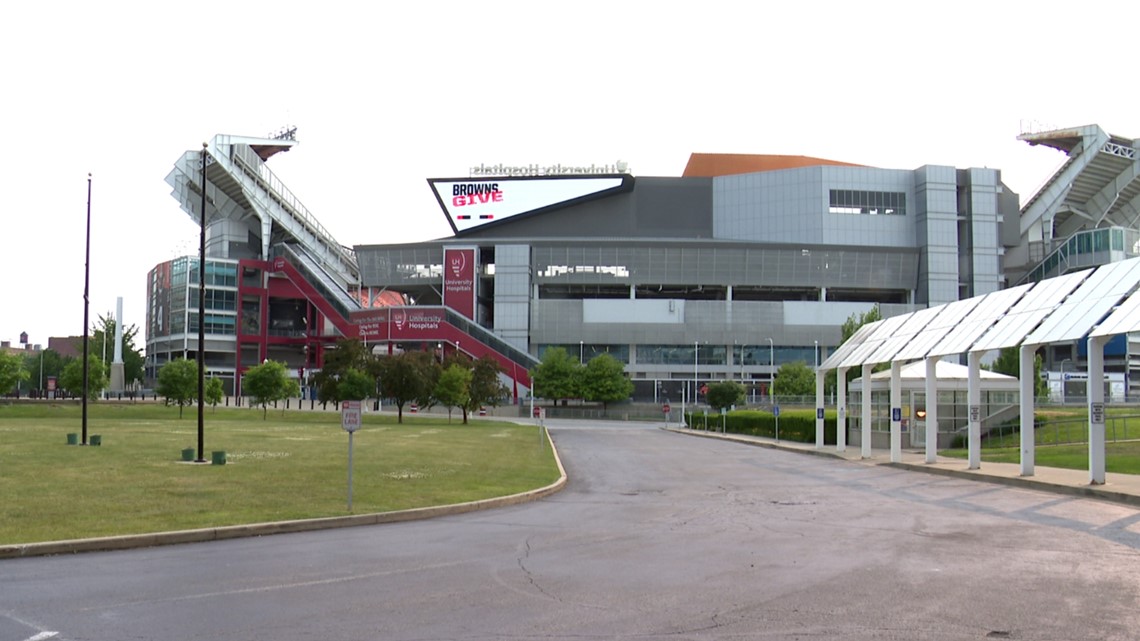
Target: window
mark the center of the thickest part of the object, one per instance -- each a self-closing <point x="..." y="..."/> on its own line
<point x="871" y="203"/>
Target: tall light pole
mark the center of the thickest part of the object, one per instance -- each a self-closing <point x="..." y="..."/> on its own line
<point x="696" y="385"/>
<point x="581" y="361"/>
<point x="772" y="367"/>
<point x="816" y="353"/>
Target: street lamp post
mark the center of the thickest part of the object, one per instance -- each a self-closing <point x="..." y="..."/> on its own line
<point x="581" y="360"/>
<point x="815" y="352"/>
<point x="696" y="385"/>
<point x="772" y="367"/>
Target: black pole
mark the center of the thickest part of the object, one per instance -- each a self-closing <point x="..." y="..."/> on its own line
<point x="86" y="305"/>
<point x="202" y="318"/>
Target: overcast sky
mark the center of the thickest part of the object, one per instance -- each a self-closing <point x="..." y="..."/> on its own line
<point x="386" y="95"/>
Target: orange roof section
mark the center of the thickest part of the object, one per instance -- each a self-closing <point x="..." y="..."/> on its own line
<point x="712" y="165"/>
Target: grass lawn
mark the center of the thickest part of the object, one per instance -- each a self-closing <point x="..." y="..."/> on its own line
<point x="1122" y="457"/>
<point x="291" y="465"/>
<point x="1062" y="440"/>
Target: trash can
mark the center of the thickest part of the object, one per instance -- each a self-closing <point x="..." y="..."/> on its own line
<point x="96" y="439"/>
<point x="218" y="458"/>
<point x="73" y="439"/>
<point x="188" y="454"/>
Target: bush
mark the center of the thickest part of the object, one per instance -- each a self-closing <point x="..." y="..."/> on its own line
<point x="795" y="425"/>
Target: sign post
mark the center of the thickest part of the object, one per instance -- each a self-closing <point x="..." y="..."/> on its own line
<point x="350" y="421"/>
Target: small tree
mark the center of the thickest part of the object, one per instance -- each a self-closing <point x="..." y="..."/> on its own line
<point x="214" y="391"/>
<point x="453" y="388"/>
<point x="178" y="382"/>
<point x="556" y="377"/>
<point x="725" y="394"/>
<point x="794" y="379"/>
<point x="355" y="385"/>
<point x="405" y="378"/>
<point x="348" y="354"/>
<point x="268" y="383"/>
<point x="1008" y="362"/>
<point x="486" y="387"/>
<point x="11" y="372"/>
<point x="45" y="364"/>
<point x="72" y="377"/>
<point x="604" y="381"/>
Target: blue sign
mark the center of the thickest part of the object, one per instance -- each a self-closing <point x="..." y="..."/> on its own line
<point x="896" y="413"/>
<point x="819" y="412"/>
<point x="776" y="411"/>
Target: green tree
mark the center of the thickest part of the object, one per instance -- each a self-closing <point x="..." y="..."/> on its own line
<point x="486" y="387"/>
<point x="267" y="383"/>
<point x="405" y="378"/>
<point x="453" y="388"/>
<point x="604" y="381"/>
<point x="355" y="385"/>
<point x="1008" y="362"/>
<point x="214" y="391"/>
<point x="556" y="376"/>
<point x="42" y="365"/>
<point x="72" y="377"/>
<point x="348" y="354"/>
<point x="431" y="369"/>
<point x="855" y="321"/>
<point x="794" y="379"/>
<point x="102" y="343"/>
<point x="725" y="394"/>
<point x="12" y="372"/>
<point x="178" y="382"/>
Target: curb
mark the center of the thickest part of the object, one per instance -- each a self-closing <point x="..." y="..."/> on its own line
<point x="1083" y="491"/>
<point x="130" y="541"/>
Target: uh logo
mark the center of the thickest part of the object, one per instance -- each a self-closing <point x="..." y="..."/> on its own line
<point x="458" y="263"/>
<point x="400" y="318"/>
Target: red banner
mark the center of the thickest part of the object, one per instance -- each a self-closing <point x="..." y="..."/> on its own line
<point x="372" y="323"/>
<point x="414" y="323"/>
<point x="459" y="269"/>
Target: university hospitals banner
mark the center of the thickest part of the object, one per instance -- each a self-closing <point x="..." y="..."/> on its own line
<point x="459" y="269"/>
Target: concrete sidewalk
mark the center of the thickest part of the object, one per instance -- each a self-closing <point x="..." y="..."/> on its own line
<point x="1118" y="488"/>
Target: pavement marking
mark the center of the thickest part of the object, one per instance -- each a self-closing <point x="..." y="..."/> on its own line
<point x="41" y="636"/>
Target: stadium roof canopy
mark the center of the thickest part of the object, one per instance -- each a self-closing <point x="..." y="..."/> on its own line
<point x="1099" y="184"/>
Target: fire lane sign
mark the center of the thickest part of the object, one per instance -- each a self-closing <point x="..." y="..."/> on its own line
<point x="350" y="415"/>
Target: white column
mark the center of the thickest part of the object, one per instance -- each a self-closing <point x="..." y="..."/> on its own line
<point x="819" y="409"/>
<point x="931" y="409"/>
<point x="896" y="412"/>
<point x="974" y="409"/>
<point x="865" y="427"/>
<point x="1096" y="409"/>
<point x="1026" y="382"/>
<point x="841" y="409"/>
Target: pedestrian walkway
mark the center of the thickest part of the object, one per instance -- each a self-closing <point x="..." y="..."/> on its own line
<point x="1119" y="488"/>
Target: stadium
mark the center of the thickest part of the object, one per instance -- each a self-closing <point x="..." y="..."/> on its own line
<point x="739" y="265"/>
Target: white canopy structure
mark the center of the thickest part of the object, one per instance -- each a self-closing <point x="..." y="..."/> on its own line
<point x="1092" y="305"/>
